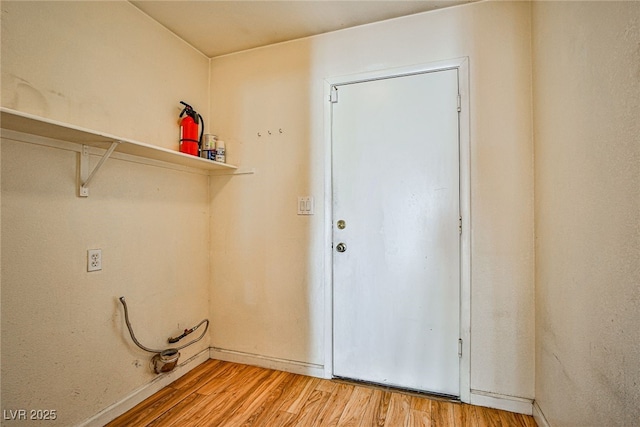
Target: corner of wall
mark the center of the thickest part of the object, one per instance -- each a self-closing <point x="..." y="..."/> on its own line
<point x="538" y="416"/>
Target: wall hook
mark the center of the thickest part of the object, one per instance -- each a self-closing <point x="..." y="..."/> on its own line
<point x="280" y="130"/>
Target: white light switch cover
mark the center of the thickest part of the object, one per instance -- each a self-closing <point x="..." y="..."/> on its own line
<point x="305" y="205"/>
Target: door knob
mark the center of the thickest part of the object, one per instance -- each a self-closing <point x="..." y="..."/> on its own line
<point x="341" y="247"/>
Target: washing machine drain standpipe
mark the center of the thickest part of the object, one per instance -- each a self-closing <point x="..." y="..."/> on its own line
<point x="167" y="359"/>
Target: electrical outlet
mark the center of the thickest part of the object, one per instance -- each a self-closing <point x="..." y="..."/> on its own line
<point x="94" y="259"/>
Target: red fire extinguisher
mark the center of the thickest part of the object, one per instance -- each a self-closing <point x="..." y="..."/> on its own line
<point x="190" y="143"/>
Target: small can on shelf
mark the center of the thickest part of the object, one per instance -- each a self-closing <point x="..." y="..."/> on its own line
<point x="221" y="155"/>
<point x="208" y="149"/>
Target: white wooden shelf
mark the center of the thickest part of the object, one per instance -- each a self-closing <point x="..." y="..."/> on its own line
<point x="35" y="125"/>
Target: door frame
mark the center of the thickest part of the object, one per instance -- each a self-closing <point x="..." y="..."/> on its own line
<point x="462" y="66"/>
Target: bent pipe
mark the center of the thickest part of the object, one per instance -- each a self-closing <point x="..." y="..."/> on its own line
<point x="151" y="350"/>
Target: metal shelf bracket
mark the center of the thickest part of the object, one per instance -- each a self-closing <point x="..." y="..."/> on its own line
<point x="85" y="175"/>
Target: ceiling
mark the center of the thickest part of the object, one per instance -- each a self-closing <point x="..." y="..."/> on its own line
<point x="220" y="27"/>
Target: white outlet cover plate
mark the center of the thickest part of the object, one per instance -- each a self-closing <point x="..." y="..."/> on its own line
<point x="94" y="260"/>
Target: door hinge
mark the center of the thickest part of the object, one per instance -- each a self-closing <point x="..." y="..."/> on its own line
<point x="460" y="225"/>
<point x="459" y="103"/>
<point x="333" y="97"/>
<point x="459" y="347"/>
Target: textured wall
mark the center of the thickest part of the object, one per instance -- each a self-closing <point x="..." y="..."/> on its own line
<point x="100" y="65"/>
<point x="105" y="66"/>
<point x="269" y="272"/>
<point x="587" y="191"/>
<point x="64" y="344"/>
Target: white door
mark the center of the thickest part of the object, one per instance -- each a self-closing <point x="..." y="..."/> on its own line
<point x="396" y="283"/>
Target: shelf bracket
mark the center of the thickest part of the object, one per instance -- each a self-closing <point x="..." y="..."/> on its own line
<point x="85" y="175"/>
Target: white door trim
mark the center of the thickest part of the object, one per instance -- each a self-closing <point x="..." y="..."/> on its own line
<point x="462" y="65"/>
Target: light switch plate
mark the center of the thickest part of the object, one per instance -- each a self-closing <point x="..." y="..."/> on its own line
<point x="305" y="205"/>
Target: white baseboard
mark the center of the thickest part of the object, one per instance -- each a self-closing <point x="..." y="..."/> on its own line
<point x="519" y="405"/>
<point x="292" y="366"/>
<point x="157" y="384"/>
<point x="538" y="416"/>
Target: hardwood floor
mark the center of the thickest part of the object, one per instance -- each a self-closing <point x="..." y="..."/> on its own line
<point x="218" y="393"/>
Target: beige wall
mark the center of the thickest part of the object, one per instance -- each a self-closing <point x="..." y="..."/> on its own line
<point x="107" y="67"/>
<point x="61" y="325"/>
<point x="587" y="189"/>
<point x="268" y="285"/>
<point x="101" y="65"/>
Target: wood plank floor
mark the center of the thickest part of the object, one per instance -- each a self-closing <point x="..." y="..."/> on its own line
<point x="218" y="393"/>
